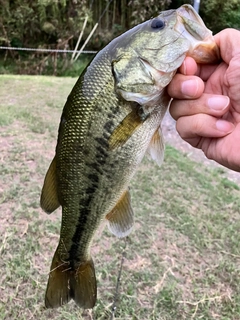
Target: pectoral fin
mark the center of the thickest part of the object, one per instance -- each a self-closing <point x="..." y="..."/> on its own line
<point x="120" y="219"/>
<point x="49" y="198"/>
<point x="156" y="147"/>
<point x="125" y="130"/>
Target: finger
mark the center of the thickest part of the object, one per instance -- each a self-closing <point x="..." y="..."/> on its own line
<point x="205" y="71"/>
<point x="185" y="87"/>
<point x="228" y="41"/>
<point x="214" y="105"/>
<point x="194" y="127"/>
<point x="188" y="67"/>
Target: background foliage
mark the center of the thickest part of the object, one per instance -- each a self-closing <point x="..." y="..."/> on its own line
<point x="220" y="14"/>
<point x="50" y="22"/>
<point x="57" y="24"/>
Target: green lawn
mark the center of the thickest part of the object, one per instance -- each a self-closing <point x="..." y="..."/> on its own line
<point x="182" y="261"/>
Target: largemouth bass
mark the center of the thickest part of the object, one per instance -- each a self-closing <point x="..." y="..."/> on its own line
<point x="110" y="121"/>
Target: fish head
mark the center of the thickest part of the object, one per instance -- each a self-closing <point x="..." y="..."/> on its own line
<point x="147" y="56"/>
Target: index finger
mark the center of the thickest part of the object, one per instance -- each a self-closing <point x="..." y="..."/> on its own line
<point x="190" y="67"/>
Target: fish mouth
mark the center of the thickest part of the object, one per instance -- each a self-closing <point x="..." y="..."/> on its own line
<point x="203" y="47"/>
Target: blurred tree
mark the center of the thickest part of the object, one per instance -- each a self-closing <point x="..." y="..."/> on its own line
<point x="122" y="15"/>
<point x="54" y="23"/>
<point x="178" y="3"/>
<point x="220" y="14"/>
<point x="39" y="22"/>
<point x="50" y="22"/>
<point x="143" y="10"/>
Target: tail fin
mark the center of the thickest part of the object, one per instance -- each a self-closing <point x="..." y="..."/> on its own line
<point x="65" y="284"/>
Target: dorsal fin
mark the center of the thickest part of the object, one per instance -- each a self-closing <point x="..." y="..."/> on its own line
<point x="120" y="219"/>
<point x="49" y="198"/>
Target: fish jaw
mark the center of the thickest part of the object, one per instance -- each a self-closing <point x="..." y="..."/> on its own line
<point x="203" y="48"/>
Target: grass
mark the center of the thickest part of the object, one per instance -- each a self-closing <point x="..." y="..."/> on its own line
<point x="181" y="262"/>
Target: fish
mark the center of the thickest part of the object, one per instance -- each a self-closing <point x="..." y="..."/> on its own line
<point x="111" y="119"/>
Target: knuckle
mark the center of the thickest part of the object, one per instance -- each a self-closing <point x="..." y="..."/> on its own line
<point x="199" y="124"/>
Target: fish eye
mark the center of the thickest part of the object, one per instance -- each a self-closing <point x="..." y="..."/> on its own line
<point x="157" y="24"/>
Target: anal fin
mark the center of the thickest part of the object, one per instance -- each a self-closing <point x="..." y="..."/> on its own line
<point x="120" y="219"/>
<point x="49" y="198"/>
<point x="156" y="147"/>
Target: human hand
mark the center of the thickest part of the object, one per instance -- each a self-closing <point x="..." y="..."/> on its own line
<point x="206" y="102"/>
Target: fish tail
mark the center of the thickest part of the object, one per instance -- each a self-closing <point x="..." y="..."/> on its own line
<point x="65" y="283"/>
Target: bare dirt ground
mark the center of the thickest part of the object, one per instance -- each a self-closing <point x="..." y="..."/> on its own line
<point x="172" y="138"/>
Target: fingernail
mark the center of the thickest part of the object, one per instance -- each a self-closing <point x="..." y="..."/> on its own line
<point x="184" y="67"/>
<point x="218" y="102"/>
<point x="224" y="126"/>
<point x="190" y="88"/>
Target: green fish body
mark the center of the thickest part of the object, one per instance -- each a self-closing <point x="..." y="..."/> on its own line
<point x="110" y="121"/>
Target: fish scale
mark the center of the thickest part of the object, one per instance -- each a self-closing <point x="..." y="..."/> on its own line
<point x="110" y="121"/>
<point x="90" y="136"/>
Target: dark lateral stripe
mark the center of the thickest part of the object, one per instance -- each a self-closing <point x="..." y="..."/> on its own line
<point x="84" y="222"/>
<point x="103" y="142"/>
<point x="109" y="126"/>
<point x="96" y="167"/>
<point x="101" y="152"/>
<point x="78" y="235"/>
<point x="93" y="177"/>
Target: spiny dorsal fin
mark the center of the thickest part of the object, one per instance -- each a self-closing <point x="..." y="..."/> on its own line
<point x="49" y="198"/>
<point x="120" y="219"/>
<point x="156" y="147"/>
<point x="125" y="130"/>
